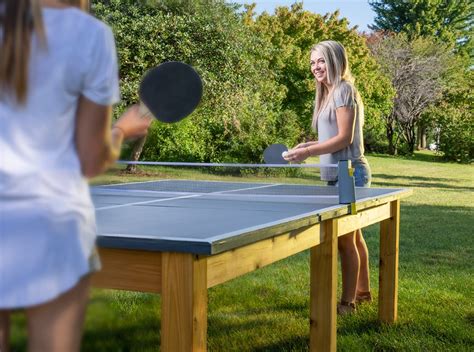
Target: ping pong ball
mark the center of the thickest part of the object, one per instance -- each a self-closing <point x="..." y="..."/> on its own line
<point x="284" y="154"/>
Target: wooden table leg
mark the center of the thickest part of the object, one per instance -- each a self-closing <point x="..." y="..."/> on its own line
<point x="323" y="301"/>
<point x="388" y="271"/>
<point x="183" y="303"/>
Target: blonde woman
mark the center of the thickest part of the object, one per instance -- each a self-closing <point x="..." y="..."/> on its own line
<point x="339" y="118"/>
<point x="58" y="81"/>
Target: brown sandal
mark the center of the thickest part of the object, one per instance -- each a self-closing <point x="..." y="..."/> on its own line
<point x="362" y="297"/>
<point x="344" y="308"/>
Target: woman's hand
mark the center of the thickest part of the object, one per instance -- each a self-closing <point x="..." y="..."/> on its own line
<point x="300" y="152"/>
<point x="133" y="124"/>
<point x="297" y="154"/>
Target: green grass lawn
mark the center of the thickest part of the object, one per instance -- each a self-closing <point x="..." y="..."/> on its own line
<point x="268" y="309"/>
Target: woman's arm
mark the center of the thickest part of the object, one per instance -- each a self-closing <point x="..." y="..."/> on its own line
<point x="305" y="145"/>
<point x="345" y="117"/>
<point x="97" y="145"/>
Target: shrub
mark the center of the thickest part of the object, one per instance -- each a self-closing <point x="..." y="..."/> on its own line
<point x="241" y="107"/>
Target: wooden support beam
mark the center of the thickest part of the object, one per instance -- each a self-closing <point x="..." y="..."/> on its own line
<point x="184" y="303"/>
<point x="231" y="264"/>
<point x="368" y="217"/>
<point x="126" y="269"/>
<point x="388" y="271"/>
<point x="323" y="285"/>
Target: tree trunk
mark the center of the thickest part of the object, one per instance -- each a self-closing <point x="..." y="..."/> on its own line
<point x="418" y="138"/>
<point x="392" y="150"/>
<point x="421" y="137"/>
<point x="135" y="155"/>
<point x="410" y="137"/>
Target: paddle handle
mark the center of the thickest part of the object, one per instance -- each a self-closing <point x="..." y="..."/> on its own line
<point x="144" y="111"/>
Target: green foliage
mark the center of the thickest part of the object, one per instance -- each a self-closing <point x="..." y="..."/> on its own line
<point x="449" y="21"/>
<point x="450" y="24"/>
<point x="456" y="139"/>
<point x="241" y="107"/>
<point x="420" y="70"/>
<point x="258" y="87"/>
<point x="450" y="122"/>
<point x="454" y="122"/>
<point x="292" y="33"/>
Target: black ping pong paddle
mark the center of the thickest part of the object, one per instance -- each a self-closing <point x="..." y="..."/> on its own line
<point x="170" y="91"/>
<point x="273" y="154"/>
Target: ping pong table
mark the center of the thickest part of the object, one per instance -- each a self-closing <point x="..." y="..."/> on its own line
<point x="179" y="238"/>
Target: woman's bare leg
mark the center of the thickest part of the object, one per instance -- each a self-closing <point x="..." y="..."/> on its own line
<point x="56" y="326"/>
<point x="363" y="284"/>
<point x="350" y="264"/>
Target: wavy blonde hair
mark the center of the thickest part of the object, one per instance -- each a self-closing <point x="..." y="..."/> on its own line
<point x="337" y="69"/>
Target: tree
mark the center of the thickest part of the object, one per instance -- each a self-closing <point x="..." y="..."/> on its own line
<point x="452" y="119"/>
<point x="292" y="32"/>
<point x="416" y="68"/>
<point x="451" y="21"/>
<point x="240" y="113"/>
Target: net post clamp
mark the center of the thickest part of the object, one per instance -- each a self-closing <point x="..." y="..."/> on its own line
<point x="346" y="184"/>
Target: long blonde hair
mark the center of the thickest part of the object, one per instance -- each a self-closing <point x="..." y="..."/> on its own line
<point x="19" y="19"/>
<point x="337" y="69"/>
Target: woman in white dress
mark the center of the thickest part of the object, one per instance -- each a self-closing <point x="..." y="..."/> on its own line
<point x="339" y="118"/>
<point x="58" y="82"/>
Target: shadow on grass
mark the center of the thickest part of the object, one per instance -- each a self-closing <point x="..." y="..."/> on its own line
<point x="122" y="321"/>
<point x="432" y="237"/>
<point x="140" y="335"/>
<point x="299" y="343"/>
<point x="417" y="181"/>
<point x="417" y="156"/>
<point x="355" y="326"/>
<point x="470" y="317"/>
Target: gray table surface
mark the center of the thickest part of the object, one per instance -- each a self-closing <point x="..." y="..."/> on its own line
<point x="205" y="217"/>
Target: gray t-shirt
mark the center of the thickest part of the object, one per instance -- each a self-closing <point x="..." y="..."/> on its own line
<point x="343" y="95"/>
